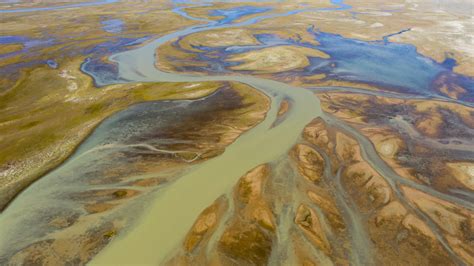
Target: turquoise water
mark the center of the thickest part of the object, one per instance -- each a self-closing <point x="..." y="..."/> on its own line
<point x="112" y="25"/>
<point x="388" y="64"/>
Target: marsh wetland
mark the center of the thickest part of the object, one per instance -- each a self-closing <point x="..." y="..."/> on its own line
<point x="236" y="133"/>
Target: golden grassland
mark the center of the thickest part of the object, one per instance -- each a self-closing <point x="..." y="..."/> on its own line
<point x="10" y="48"/>
<point x="49" y="111"/>
<point x="85" y="22"/>
<point x="280" y="7"/>
<point x="67" y="33"/>
<point x="44" y="112"/>
<point x="37" y="4"/>
<point x="231" y="111"/>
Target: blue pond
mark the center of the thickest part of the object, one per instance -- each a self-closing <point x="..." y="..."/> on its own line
<point x="392" y="65"/>
<point x="12" y="39"/>
<point x="112" y="25"/>
<point x="389" y="64"/>
<point x="52" y="64"/>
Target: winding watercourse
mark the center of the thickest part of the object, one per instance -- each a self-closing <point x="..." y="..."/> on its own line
<point x="195" y="191"/>
<point x="172" y="212"/>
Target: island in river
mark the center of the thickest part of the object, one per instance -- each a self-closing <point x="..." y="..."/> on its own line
<point x="236" y="133"/>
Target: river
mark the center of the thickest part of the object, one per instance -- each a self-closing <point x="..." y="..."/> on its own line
<point x="171" y="213"/>
<point x="174" y="211"/>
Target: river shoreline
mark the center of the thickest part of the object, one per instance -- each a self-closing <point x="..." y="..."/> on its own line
<point x="295" y="116"/>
